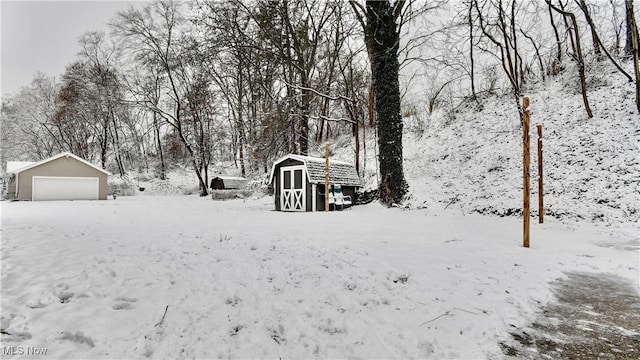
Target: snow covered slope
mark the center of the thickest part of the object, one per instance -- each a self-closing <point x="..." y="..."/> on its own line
<point x="469" y="159"/>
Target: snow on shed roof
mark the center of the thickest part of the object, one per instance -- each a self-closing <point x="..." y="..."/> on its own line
<point x="340" y="172"/>
<point x="225" y="177"/>
<point x="67" y="154"/>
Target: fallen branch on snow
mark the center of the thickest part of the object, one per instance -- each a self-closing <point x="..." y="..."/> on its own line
<point x="162" y="320"/>
<point x="346" y="262"/>
<point x="448" y="313"/>
<point x="454" y="200"/>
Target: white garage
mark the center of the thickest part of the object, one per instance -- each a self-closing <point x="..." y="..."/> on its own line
<point x="61" y="177"/>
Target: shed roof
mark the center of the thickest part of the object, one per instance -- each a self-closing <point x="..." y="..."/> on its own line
<point x="64" y="154"/>
<point x="340" y="172"/>
<point x="225" y="177"/>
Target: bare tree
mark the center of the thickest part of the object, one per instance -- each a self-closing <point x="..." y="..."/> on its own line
<point x="156" y="36"/>
<point x="574" y="35"/>
<point x="26" y="121"/>
<point x="631" y="18"/>
<point x="228" y="60"/>
<point x="558" y="58"/>
<point x="631" y="27"/>
<point x="501" y="31"/>
<point x="294" y="31"/>
<point x="594" y="36"/>
<point x="105" y="95"/>
<point x="470" y="22"/>
<point x="617" y="25"/>
<point x="596" y="39"/>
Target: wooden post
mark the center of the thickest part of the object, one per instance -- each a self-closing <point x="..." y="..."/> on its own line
<point x="326" y="177"/>
<point x="525" y="171"/>
<point x="357" y="133"/>
<point x="540" y="188"/>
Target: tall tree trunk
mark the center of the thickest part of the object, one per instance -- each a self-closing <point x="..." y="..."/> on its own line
<point x="385" y="69"/>
<point x="628" y="45"/>
<point x="371" y="104"/>
<point x="557" y="35"/>
<point x="594" y="36"/>
<point x="156" y="130"/>
<point x="472" y="60"/>
<point x="596" y="39"/>
<point x="305" y="107"/>
<point x="357" y="134"/>
<point x="240" y="120"/>
<point x="574" y="34"/>
<point x="636" y="51"/>
<point x="581" y="66"/>
<point x="104" y="144"/>
<point x="115" y="138"/>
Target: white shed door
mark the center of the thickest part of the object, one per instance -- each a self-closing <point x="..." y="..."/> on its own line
<point x="64" y="188"/>
<point x="293" y="194"/>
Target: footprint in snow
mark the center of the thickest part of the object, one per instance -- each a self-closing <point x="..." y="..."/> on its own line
<point x="64" y="296"/>
<point x="233" y="301"/>
<point x="5" y="321"/>
<point x="11" y="334"/>
<point x="123" y="303"/>
<point x="36" y="304"/>
<point x="15" y="336"/>
<point x="78" y="337"/>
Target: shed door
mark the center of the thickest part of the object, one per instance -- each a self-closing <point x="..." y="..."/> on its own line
<point x="64" y="188"/>
<point x="293" y="188"/>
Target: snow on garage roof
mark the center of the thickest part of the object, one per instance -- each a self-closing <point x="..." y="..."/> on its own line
<point x="12" y="166"/>
<point x="66" y="154"/>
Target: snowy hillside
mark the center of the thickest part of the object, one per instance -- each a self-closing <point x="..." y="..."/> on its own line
<point x="469" y="160"/>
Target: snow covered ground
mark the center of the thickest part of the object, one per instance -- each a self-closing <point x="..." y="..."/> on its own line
<point x="238" y="280"/>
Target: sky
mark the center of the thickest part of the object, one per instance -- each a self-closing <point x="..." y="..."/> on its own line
<point x="43" y="36"/>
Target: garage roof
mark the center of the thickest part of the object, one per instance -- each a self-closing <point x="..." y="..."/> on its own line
<point x="12" y="166"/>
<point x="64" y="154"/>
<point x="340" y="172"/>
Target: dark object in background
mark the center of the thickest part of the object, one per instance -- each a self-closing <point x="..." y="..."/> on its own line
<point x="217" y="184"/>
<point x="227" y="183"/>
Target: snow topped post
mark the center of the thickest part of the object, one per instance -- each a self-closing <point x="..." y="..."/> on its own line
<point x="540" y="195"/>
<point x="525" y="171"/>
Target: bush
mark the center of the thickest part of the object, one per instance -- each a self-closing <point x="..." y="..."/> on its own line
<point x="230" y="194"/>
<point x="120" y="186"/>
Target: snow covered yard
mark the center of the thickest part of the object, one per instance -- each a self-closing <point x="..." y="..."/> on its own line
<point x="238" y="280"/>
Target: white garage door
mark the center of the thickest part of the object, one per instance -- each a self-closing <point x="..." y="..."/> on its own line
<point x="64" y="188"/>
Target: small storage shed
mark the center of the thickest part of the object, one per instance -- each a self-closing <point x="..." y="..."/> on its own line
<point x="61" y="177"/>
<point x="299" y="182"/>
<point x="228" y="183"/>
